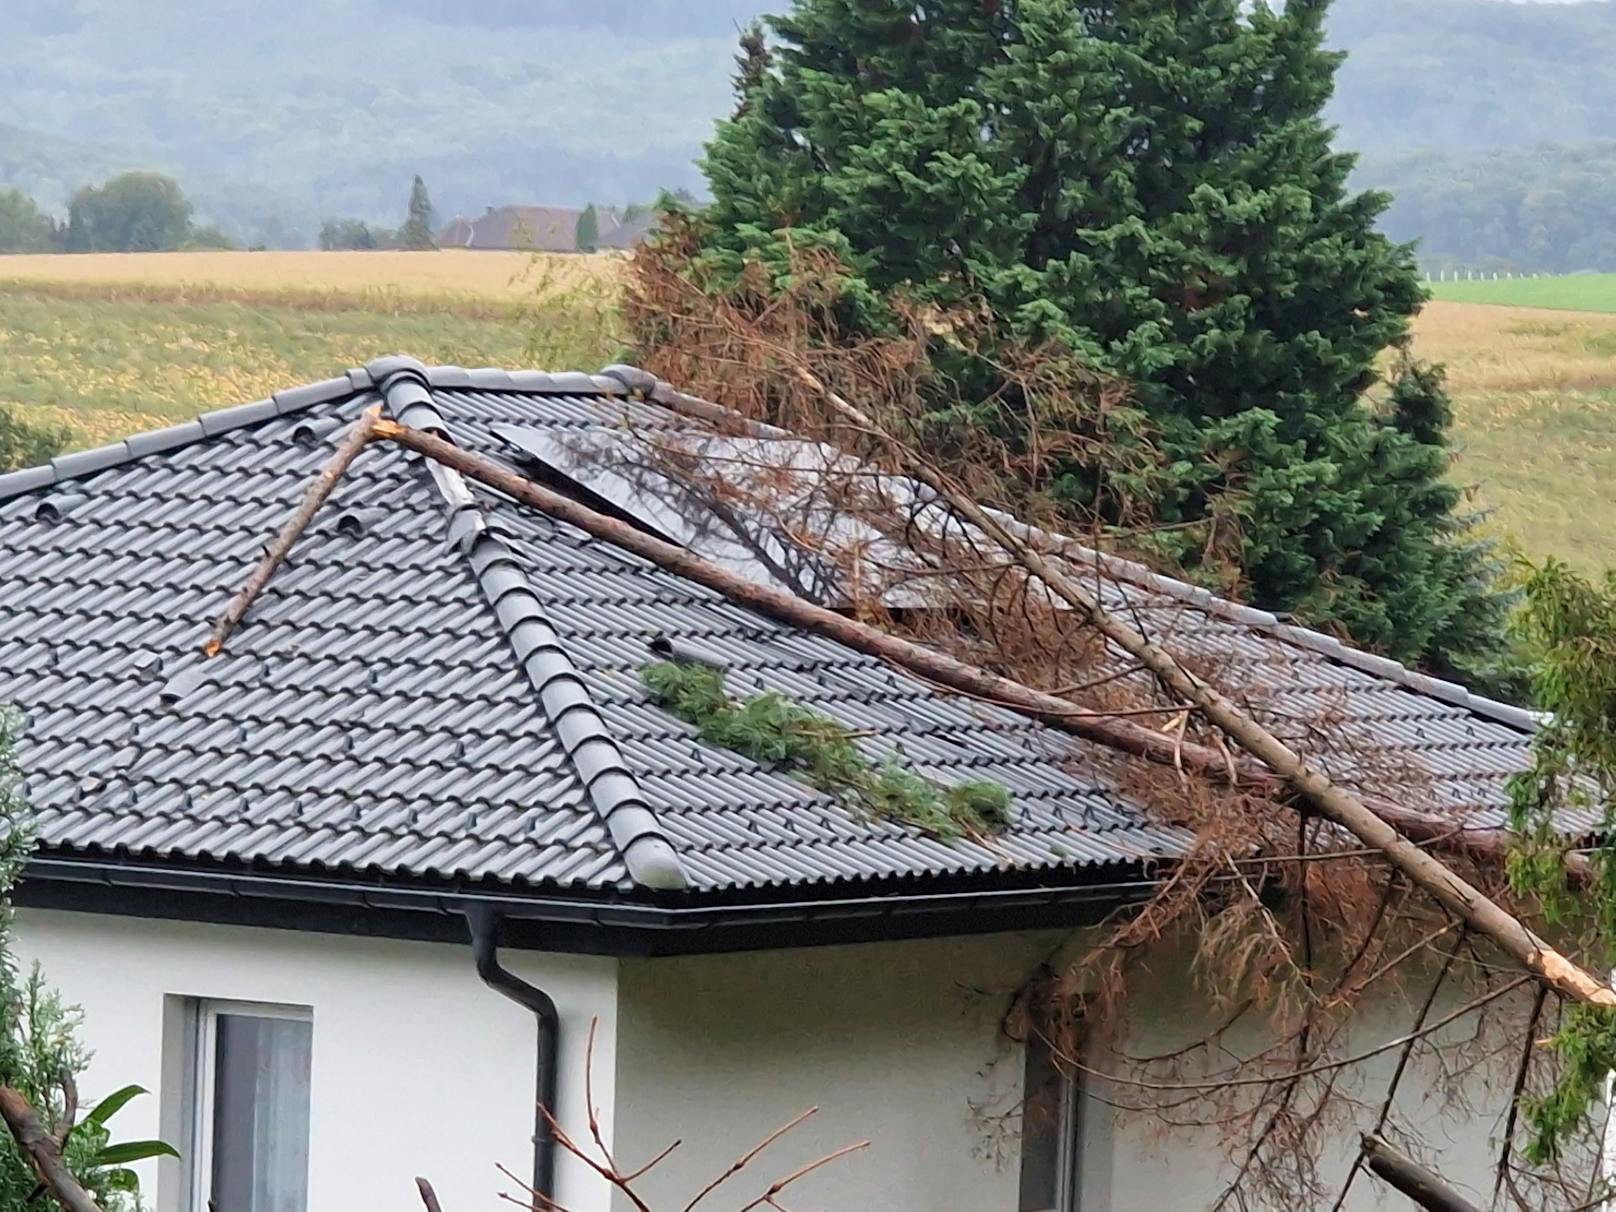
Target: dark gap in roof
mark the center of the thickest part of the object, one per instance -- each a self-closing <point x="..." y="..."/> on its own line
<point x="602" y="469"/>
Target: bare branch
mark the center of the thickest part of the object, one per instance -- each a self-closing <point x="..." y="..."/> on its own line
<point x="768" y="1196"/>
<point x="429" y="1197"/>
<point x="1413" y="1180"/>
<point x="44" y="1152"/>
<point x="316" y="495"/>
<point x="740" y="1163"/>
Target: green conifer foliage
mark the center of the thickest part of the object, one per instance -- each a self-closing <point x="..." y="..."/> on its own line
<point x="1150" y="186"/>
<point x="39" y="1046"/>
<point x="771" y="729"/>
<point x="417" y="230"/>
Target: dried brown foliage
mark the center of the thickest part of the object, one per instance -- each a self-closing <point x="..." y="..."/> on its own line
<point x="1288" y="928"/>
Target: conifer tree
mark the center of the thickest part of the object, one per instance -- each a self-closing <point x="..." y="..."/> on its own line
<point x="1150" y="186"/>
<point x="588" y="234"/>
<point x="417" y="230"/>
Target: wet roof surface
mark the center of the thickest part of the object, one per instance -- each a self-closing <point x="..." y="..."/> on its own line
<point x="409" y="698"/>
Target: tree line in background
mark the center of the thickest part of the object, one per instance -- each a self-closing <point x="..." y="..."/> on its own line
<point x="415" y="233"/>
<point x="1547" y="209"/>
<point x="132" y="212"/>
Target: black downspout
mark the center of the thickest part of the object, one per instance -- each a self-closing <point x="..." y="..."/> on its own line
<point x="484" y="923"/>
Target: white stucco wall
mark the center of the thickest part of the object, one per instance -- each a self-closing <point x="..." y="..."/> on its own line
<point x="418" y="1068"/>
<point x="1452" y="1098"/>
<point x="893" y="1042"/>
<point x="900" y="1044"/>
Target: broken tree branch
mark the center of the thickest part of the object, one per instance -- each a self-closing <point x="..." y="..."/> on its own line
<point x="1322" y="795"/>
<point x="1411" y="1178"/>
<point x="318" y="492"/>
<point x="44" y="1151"/>
<point x="429" y="1197"/>
<point x="1121" y="734"/>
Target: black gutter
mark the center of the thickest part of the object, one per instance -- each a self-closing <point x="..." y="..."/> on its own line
<point x="484" y="924"/>
<point x="694" y="926"/>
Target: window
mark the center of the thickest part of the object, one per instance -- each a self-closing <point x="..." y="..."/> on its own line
<point x="249" y="1107"/>
<point x="1050" y="1127"/>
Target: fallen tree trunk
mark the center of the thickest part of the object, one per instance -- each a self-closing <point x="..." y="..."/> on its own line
<point x="1467" y="902"/>
<point x="1412" y="1179"/>
<point x="44" y="1151"/>
<point x="1323" y="796"/>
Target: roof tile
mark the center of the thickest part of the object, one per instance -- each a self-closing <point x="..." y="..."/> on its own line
<point x="456" y="694"/>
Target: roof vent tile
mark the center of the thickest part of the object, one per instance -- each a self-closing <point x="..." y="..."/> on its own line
<point x="58" y="505"/>
<point x="356" y="523"/>
<point x="314" y="430"/>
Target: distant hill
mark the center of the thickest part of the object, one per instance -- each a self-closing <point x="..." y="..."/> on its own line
<point x="51" y="167"/>
<point x="1492" y="124"/>
<point x="275" y="116"/>
<point x="1467" y="75"/>
<point x="305" y="109"/>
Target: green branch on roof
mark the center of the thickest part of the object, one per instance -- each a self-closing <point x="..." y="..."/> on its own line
<point x="771" y="729"/>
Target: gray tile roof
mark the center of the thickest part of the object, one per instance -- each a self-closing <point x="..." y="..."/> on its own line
<point x="443" y="685"/>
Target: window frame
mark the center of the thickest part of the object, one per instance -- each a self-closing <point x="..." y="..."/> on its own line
<point x="201" y="1081"/>
<point x="1068" y="1128"/>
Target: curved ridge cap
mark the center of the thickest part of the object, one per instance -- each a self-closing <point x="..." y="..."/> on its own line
<point x="630" y="820"/>
<point x="564" y="698"/>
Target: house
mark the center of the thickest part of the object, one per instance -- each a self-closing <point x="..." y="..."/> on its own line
<point x="542" y="229"/>
<point x="416" y="850"/>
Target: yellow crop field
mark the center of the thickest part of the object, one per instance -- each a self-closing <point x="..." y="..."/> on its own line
<point x="108" y="344"/>
<point x="443" y="277"/>
<point x="1535" y="421"/>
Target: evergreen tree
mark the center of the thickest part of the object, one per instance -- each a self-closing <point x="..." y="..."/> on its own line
<point x="1149" y="186"/>
<point x="588" y="234"/>
<point x="417" y="230"/>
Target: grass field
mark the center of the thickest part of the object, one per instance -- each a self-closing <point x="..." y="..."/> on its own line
<point x="1535" y="400"/>
<point x="109" y="345"/>
<point x="1574" y="292"/>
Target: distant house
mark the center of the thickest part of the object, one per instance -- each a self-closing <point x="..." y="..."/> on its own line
<point x="258" y="871"/>
<point x="543" y="229"/>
